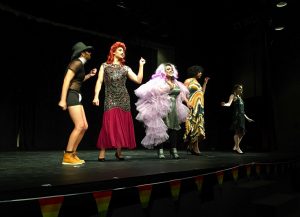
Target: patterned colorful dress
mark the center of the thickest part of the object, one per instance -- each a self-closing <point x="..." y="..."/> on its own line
<point x="195" y="120"/>
<point x="117" y="125"/>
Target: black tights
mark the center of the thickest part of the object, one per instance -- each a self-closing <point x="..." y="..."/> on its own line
<point x="172" y="141"/>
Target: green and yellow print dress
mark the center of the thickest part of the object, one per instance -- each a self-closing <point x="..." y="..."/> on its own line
<point x="195" y="120"/>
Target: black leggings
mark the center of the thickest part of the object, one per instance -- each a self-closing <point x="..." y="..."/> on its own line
<point x="172" y="141"/>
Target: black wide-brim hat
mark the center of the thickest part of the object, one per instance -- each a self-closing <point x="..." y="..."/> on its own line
<point x="78" y="48"/>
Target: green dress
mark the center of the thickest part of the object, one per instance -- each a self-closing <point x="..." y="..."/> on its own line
<point x="238" y="123"/>
<point x="171" y="120"/>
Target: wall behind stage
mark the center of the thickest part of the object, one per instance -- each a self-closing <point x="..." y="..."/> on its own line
<point x="34" y="56"/>
<point x="285" y="84"/>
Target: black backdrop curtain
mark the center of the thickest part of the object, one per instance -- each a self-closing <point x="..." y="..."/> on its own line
<point x="34" y="56"/>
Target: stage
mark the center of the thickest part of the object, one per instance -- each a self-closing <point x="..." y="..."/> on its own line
<point x="31" y="176"/>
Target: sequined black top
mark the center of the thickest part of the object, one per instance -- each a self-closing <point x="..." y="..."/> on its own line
<point x="116" y="94"/>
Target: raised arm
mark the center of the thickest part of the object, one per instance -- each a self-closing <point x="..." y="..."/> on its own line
<point x="231" y="97"/>
<point x="98" y="86"/>
<point x="139" y="77"/>
<point x="204" y="84"/>
<point x="66" y="84"/>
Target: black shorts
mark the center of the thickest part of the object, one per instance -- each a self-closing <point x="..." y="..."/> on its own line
<point x="73" y="98"/>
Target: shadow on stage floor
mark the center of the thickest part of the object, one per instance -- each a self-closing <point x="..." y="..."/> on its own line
<point x="27" y="176"/>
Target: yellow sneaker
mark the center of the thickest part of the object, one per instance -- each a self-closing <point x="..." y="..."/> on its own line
<point x="69" y="159"/>
<point x="77" y="158"/>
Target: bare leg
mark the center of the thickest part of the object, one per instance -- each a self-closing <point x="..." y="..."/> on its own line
<point x="196" y="144"/>
<point x="238" y="145"/>
<point x="80" y="136"/>
<point x="101" y="154"/>
<point x="80" y="126"/>
<point x="236" y="141"/>
<point x="119" y="152"/>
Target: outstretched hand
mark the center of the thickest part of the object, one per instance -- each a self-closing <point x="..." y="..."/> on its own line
<point x="250" y="120"/>
<point x="206" y="79"/>
<point x="142" y="61"/>
<point x="93" y="72"/>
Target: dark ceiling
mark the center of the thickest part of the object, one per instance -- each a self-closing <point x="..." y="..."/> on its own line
<point x="159" y="21"/>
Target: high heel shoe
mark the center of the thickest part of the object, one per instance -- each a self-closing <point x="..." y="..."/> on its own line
<point x="188" y="149"/>
<point x="160" y="154"/>
<point x="194" y="153"/>
<point x="174" y="154"/>
<point x="118" y="157"/>
<point x="239" y="151"/>
<point x="101" y="159"/>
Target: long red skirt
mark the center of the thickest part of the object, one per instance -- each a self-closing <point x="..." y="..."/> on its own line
<point x="117" y="130"/>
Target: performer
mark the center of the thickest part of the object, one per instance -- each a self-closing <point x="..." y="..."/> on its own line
<point x="161" y="110"/>
<point x="195" y="129"/>
<point x="71" y="99"/>
<point x="117" y="125"/>
<point x="239" y="116"/>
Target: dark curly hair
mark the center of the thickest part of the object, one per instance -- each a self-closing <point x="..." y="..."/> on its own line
<point x="192" y="71"/>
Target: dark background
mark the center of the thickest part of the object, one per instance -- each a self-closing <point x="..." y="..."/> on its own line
<point x="233" y="40"/>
